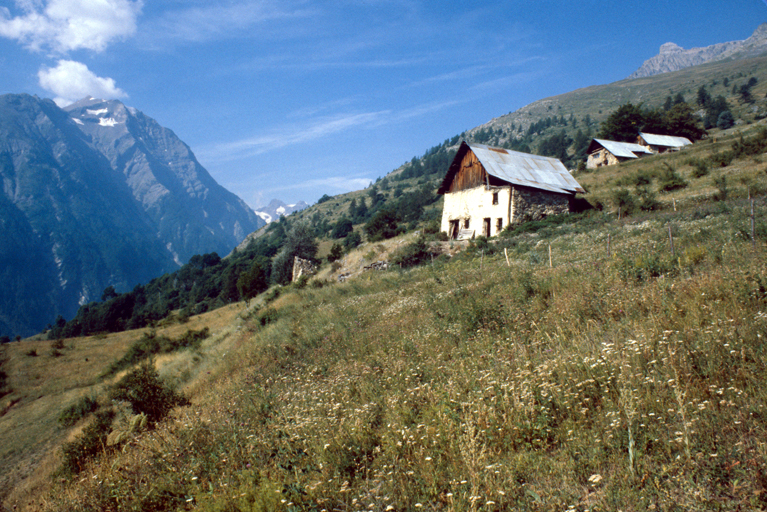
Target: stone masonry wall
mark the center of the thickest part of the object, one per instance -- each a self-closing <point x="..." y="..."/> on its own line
<point x="532" y="204"/>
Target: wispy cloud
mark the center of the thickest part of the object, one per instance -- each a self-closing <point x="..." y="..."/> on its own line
<point x="331" y="183"/>
<point x="314" y="130"/>
<point x="291" y="135"/>
<point x="62" y="26"/>
<point x="200" y="24"/>
<point x="507" y="81"/>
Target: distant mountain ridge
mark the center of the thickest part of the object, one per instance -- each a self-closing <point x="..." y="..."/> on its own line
<point x="94" y="195"/>
<point x="673" y="57"/>
<point x="276" y="208"/>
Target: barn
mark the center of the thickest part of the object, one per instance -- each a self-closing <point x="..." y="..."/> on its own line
<point x="662" y="143"/>
<point x="609" y="152"/>
<point x="487" y="189"/>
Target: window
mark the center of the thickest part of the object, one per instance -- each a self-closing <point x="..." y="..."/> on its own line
<point x="495" y="197"/>
<point x="466" y="224"/>
<point x="498" y="225"/>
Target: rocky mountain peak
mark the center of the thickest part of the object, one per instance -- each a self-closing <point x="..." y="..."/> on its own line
<point x="667" y="48"/>
<point x="673" y="57"/>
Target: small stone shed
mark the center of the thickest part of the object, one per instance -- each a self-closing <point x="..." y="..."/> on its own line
<point x="487" y="189"/>
<point x="609" y="152"/>
<point x="662" y="143"/>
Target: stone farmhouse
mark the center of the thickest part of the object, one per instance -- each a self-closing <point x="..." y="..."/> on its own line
<point x="609" y="152"/>
<point x="487" y="189"/>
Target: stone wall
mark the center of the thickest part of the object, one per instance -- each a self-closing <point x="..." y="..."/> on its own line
<point x="601" y="158"/>
<point x="533" y="204"/>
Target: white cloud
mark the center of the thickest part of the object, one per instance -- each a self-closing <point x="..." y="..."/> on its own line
<point x="71" y="81"/>
<point x="65" y="25"/>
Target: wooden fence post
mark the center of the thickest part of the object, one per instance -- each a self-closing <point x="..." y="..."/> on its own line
<point x="671" y="240"/>
<point x="505" y="253"/>
<point x="550" y="263"/>
<point x="753" y="227"/>
<point x="608" y="245"/>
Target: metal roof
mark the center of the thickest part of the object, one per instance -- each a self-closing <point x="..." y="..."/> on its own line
<point x="623" y="149"/>
<point x="517" y="168"/>
<point x="669" y="141"/>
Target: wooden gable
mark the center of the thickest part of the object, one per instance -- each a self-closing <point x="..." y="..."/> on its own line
<point x="470" y="174"/>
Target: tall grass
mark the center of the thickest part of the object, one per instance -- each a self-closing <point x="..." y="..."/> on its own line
<point x="629" y="382"/>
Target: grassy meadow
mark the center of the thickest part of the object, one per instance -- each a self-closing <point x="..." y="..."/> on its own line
<point x="578" y="366"/>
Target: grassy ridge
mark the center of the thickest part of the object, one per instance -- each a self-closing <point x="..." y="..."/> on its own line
<point x="624" y="382"/>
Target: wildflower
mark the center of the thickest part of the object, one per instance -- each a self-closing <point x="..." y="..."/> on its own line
<point x="595" y="478"/>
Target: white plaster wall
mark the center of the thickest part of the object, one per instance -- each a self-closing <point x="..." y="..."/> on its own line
<point x="476" y="204"/>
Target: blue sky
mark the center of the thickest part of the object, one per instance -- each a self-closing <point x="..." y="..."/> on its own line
<point x="294" y="99"/>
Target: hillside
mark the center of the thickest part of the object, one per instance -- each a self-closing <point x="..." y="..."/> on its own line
<point x="579" y="363"/>
<point x="87" y="193"/>
<point x="560" y="126"/>
<point x="574" y="118"/>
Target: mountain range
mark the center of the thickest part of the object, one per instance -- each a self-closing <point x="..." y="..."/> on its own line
<point x="673" y="57"/>
<point x="96" y="195"/>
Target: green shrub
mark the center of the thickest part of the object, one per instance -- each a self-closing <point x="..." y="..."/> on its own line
<point x="670" y="180"/>
<point x="645" y="267"/>
<point x="78" y="410"/>
<point x="699" y="167"/>
<point x="152" y="343"/>
<point x="267" y="316"/>
<point x="720" y="182"/>
<point x="412" y="254"/>
<point x="77" y="453"/>
<point x="624" y="202"/>
<point x="647" y="200"/>
<point x="146" y="393"/>
<point x="722" y="159"/>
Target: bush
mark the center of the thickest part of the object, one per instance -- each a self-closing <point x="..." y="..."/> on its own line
<point x="78" y="410"/>
<point x="645" y="267"/>
<point x="720" y="182"/>
<point x="92" y="441"/>
<point x="723" y="159"/>
<point x="342" y="228"/>
<point x="412" y="254"/>
<point x="146" y="393"/>
<point x="624" y="202"/>
<point x="151" y="343"/>
<point x="352" y="240"/>
<point x="699" y="167"/>
<point x="383" y="225"/>
<point x="670" y="180"/>
<point x="725" y="120"/>
<point x="336" y="253"/>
